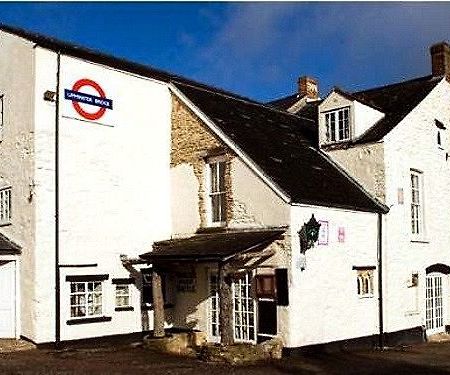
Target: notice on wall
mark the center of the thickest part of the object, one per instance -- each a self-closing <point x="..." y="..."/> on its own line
<point x="341" y="234"/>
<point x="400" y="197"/>
<point x="86" y="92"/>
<point x="323" y="233"/>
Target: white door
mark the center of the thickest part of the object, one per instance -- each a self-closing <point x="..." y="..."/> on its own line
<point x="434" y="304"/>
<point x="7" y="299"/>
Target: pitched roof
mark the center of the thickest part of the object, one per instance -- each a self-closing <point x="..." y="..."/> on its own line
<point x="286" y="102"/>
<point x="215" y="246"/>
<point x="280" y="144"/>
<point x="395" y="101"/>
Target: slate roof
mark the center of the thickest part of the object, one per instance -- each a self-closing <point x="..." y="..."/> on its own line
<point x="286" y="102"/>
<point x="280" y="144"/>
<point x="395" y="101"/>
<point x="215" y="246"/>
<point x="8" y="246"/>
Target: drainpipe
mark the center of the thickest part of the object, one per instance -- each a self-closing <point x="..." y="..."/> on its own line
<point x="380" y="280"/>
<point x="57" y="268"/>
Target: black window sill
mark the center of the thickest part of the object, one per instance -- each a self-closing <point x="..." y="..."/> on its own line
<point x="88" y="320"/>
<point x="124" y="308"/>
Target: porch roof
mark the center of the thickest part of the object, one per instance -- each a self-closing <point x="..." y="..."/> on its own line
<point x="7" y="246"/>
<point x="214" y="246"/>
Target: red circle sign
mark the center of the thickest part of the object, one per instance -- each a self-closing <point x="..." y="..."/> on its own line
<point x="88" y="115"/>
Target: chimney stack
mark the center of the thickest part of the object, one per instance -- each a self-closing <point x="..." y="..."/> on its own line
<point x="440" y="59"/>
<point x="308" y="86"/>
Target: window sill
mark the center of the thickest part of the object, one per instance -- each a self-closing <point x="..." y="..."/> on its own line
<point x="98" y="319"/>
<point x="418" y="240"/>
<point x="366" y="297"/>
<point x="124" y="308"/>
<point x="5" y="224"/>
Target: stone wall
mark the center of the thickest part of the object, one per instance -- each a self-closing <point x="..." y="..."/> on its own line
<point x="192" y="143"/>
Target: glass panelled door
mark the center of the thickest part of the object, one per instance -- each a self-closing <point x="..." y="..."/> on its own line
<point x="244" y="309"/>
<point x="434" y="304"/>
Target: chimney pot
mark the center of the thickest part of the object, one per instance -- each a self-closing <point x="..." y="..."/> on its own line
<point x="440" y="59"/>
<point x="307" y="86"/>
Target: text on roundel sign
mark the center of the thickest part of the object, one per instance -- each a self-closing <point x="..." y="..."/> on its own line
<point x="78" y="97"/>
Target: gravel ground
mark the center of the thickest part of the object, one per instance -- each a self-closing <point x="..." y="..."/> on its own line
<point x="431" y="358"/>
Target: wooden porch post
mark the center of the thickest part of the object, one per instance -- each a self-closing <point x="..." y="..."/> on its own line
<point x="225" y="308"/>
<point x="158" y="304"/>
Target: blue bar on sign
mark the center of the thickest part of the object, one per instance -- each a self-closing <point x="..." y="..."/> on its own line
<point x="88" y="99"/>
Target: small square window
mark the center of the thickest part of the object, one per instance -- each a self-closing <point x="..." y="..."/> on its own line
<point x="364" y="280"/>
<point x="123" y="295"/>
<point x="85" y="299"/>
<point x="186" y="282"/>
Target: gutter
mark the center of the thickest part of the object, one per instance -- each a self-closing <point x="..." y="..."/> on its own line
<point x="57" y="266"/>
<point x="380" y="281"/>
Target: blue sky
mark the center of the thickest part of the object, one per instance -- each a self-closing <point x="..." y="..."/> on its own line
<point x="254" y="49"/>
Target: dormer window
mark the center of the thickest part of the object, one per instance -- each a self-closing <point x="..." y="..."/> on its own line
<point x="337" y="124"/>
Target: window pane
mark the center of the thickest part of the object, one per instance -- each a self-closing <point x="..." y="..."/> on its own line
<point x="214" y="181"/>
<point x="221" y="174"/>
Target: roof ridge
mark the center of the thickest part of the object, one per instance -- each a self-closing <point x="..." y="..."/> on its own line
<point x="389" y="85"/>
<point x="246" y="100"/>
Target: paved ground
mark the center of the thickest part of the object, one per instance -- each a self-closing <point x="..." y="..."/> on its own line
<point x="431" y="358"/>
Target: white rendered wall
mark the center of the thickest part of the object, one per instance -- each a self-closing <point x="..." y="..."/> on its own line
<point x="413" y="144"/>
<point x="114" y="188"/>
<point x="114" y="183"/>
<point x="323" y="302"/>
<point x="16" y="165"/>
<point x="365" y="117"/>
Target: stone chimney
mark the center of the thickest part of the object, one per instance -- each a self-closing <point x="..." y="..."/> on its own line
<point x="308" y="86"/>
<point x="440" y="59"/>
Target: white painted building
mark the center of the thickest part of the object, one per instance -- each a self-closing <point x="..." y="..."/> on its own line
<point x="101" y="158"/>
<point x="394" y="140"/>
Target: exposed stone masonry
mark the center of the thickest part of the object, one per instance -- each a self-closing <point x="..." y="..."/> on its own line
<point x="192" y="143"/>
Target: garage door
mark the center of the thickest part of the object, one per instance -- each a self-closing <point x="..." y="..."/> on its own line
<point x="7" y="299"/>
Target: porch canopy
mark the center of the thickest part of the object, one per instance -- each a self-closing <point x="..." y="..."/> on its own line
<point x="213" y="246"/>
<point x="7" y="246"/>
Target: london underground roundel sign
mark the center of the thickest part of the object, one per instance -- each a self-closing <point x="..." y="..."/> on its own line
<point x="78" y="97"/>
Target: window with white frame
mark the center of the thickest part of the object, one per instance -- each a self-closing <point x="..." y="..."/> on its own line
<point x="123" y="295"/>
<point x="5" y="206"/>
<point x="364" y="280"/>
<point x="337" y="125"/>
<point x="85" y="299"/>
<point x="417" y="222"/>
<point x="216" y="190"/>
